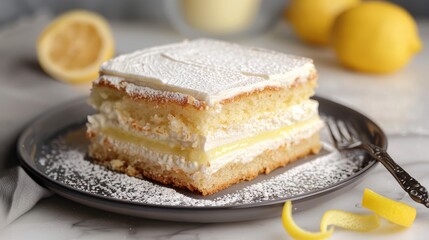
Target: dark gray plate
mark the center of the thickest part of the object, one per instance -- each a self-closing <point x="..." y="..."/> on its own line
<point x="52" y="151"/>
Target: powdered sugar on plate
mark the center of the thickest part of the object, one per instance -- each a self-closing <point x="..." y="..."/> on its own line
<point x="64" y="160"/>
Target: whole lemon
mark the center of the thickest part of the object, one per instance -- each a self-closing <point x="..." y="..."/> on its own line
<point x="312" y="20"/>
<point x="375" y="37"/>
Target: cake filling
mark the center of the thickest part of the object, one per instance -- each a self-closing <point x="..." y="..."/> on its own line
<point x="225" y="153"/>
<point x="173" y="130"/>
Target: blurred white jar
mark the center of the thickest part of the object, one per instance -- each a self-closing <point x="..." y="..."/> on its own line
<point x="221" y="18"/>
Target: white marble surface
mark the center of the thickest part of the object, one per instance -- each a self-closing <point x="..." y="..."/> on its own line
<point x="398" y="102"/>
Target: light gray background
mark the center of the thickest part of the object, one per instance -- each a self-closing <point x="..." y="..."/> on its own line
<point x="147" y="10"/>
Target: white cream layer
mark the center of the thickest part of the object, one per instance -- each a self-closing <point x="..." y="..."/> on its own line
<point x="245" y="155"/>
<point x="198" y="171"/>
<point x="260" y="123"/>
<point x="208" y="70"/>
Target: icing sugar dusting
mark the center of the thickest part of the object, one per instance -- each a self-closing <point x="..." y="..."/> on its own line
<point x="67" y="163"/>
<point x="209" y="70"/>
<point x="249" y="61"/>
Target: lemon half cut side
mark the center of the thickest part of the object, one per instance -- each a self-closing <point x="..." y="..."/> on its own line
<point x="72" y="47"/>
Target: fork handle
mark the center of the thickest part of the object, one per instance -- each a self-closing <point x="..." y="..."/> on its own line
<point x="416" y="191"/>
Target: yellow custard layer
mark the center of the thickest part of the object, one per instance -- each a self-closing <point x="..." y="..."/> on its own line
<point x="199" y="155"/>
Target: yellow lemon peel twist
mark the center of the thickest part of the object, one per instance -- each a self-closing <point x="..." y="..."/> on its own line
<point x="350" y="221"/>
<point x="394" y="211"/>
<point x="295" y="231"/>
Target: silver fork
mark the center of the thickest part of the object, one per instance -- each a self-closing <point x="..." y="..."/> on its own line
<point x="345" y="138"/>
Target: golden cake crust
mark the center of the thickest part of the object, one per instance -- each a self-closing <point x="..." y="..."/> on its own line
<point x="191" y="101"/>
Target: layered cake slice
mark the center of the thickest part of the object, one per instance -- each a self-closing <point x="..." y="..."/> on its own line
<point x="203" y="114"/>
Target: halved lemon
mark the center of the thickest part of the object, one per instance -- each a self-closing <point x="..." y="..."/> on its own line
<point x="72" y="48"/>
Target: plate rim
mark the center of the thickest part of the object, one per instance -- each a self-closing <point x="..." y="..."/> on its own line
<point x="41" y="178"/>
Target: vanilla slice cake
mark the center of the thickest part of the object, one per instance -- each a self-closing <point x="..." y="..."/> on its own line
<point x="203" y="114"/>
